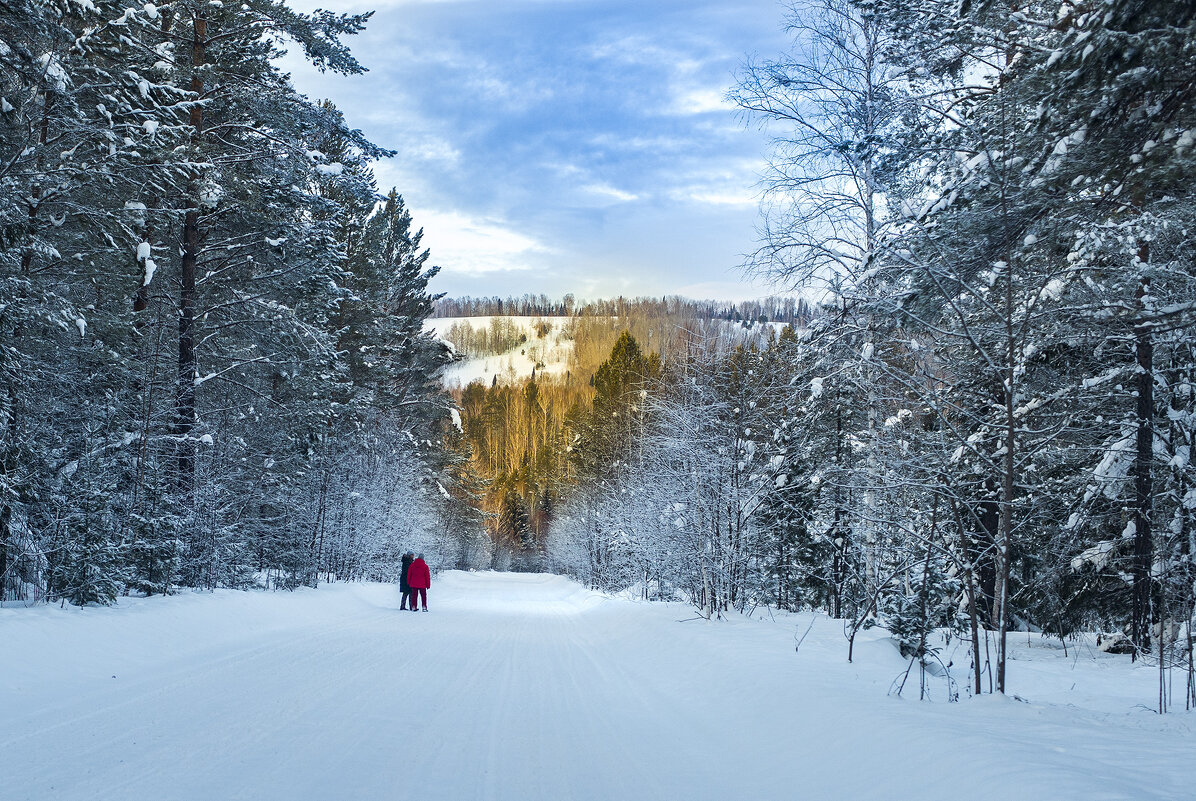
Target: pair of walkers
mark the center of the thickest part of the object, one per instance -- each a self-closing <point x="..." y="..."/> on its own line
<point x="414" y="581"/>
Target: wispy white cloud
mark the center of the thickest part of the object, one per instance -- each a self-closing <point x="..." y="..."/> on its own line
<point x="357" y="6"/>
<point x="470" y="245"/>
<point x="728" y="182"/>
<point x="564" y="169"/>
<point x="729" y="290"/>
<point x="699" y="100"/>
<point x="428" y="148"/>
<point x="640" y="48"/>
<point x="606" y="191"/>
<point x="707" y="197"/>
<point x="628" y="142"/>
<point x="477" y="80"/>
<point x="691" y="75"/>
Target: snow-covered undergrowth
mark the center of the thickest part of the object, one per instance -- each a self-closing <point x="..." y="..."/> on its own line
<point x="523" y="686"/>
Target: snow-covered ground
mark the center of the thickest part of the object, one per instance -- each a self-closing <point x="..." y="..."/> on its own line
<point x="548" y="355"/>
<point x="531" y="687"/>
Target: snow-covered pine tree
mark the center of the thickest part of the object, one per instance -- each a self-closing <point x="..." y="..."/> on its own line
<point x="154" y="438"/>
<point x="1125" y="70"/>
<point x="795" y="557"/>
<point x="72" y="137"/>
<point x="971" y="267"/>
<point x="257" y="262"/>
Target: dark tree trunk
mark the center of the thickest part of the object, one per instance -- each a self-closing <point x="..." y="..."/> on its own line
<point x="141" y="299"/>
<point x="185" y="399"/>
<point x="1143" y="485"/>
<point x="5" y="527"/>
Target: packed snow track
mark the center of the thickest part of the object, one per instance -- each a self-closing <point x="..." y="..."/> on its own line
<point x="519" y="687"/>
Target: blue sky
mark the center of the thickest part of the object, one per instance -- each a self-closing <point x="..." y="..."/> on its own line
<point x="565" y="145"/>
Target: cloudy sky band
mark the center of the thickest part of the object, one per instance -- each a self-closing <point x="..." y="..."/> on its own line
<point x="557" y="146"/>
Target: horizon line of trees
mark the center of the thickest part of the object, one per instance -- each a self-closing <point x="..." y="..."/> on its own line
<point x="790" y="310"/>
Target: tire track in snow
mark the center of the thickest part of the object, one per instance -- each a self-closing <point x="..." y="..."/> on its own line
<point x="262" y="683"/>
<point x="99" y="703"/>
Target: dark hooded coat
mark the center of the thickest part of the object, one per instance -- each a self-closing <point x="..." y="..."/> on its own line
<point x="404" y="586"/>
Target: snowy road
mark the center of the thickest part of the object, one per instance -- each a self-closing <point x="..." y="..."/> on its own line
<point x="529" y="687"/>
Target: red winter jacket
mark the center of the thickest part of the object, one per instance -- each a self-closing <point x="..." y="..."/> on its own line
<point x="418" y="577"/>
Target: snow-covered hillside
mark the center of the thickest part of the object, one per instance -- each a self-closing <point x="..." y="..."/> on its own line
<point x="530" y="687"/>
<point x="547" y="355"/>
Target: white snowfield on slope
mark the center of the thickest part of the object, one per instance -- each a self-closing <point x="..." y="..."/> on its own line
<point x="548" y="355"/>
<point x="519" y="687"/>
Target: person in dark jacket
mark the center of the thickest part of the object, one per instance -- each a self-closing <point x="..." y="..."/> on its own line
<point x="420" y="579"/>
<point x="404" y="587"/>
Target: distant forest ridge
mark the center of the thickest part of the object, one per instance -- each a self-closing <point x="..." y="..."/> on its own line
<point x="790" y="310"/>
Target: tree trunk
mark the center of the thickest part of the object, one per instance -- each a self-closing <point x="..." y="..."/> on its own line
<point x="1003" y="556"/>
<point x="838" y="535"/>
<point x="1143" y="489"/>
<point x="986" y="573"/>
<point x="36" y="190"/>
<point x="1008" y="464"/>
<point x="5" y="529"/>
<point x="188" y="365"/>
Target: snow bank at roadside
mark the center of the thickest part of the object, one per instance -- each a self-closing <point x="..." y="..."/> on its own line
<point x="516" y="593"/>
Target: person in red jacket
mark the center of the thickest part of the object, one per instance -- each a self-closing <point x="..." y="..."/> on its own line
<point x="419" y="578"/>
